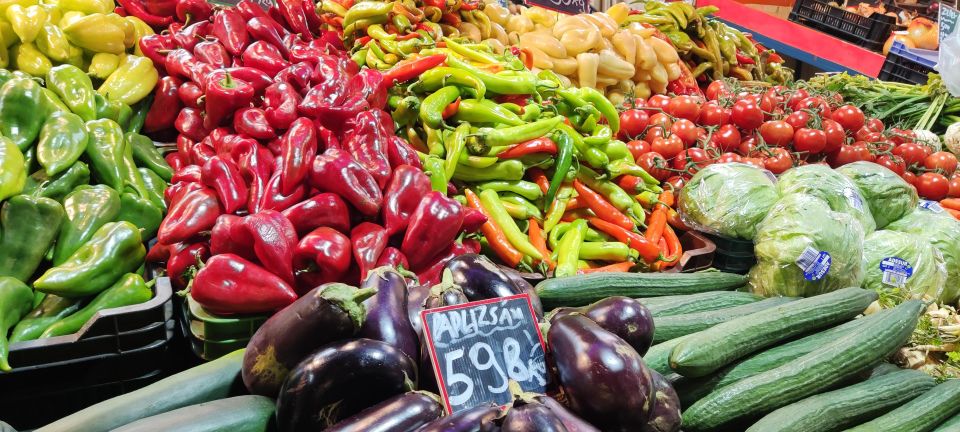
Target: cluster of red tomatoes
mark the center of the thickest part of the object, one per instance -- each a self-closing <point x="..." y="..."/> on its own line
<point x="775" y="128"/>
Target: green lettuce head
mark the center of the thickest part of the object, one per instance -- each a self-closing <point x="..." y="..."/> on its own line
<point x="887" y="194"/>
<point x="804" y="248"/>
<point x="903" y="262"/>
<point x="943" y="232"/>
<point x="728" y="199"/>
<point x="823" y="182"/>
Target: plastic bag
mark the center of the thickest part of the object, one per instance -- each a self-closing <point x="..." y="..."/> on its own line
<point x="823" y="182"/>
<point x="949" y="61"/>
<point x="905" y="265"/>
<point x="929" y="221"/>
<point x="728" y="199"/>
<point x="887" y="194"/>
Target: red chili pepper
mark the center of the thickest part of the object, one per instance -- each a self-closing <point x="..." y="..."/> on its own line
<point x="744" y="60"/>
<point x="161" y="7"/>
<point x="370" y="84"/>
<point x="774" y="58"/>
<point x="185" y="257"/>
<point x="184" y="144"/>
<point x="190" y="124"/>
<point x="264" y="56"/>
<point x="188" y="37"/>
<point x="367" y="142"/>
<point x="336" y="171"/>
<point x="333" y="116"/>
<point x="189" y="94"/>
<point x="193" y="213"/>
<point x="280" y="101"/>
<point x="274" y="240"/>
<point x="648" y="251"/>
<point x="230" y="28"/>
<point x="193" y="10"/>
<point x="433" y="226"/>
<point x="392" y="257"/>
<point x="325" y="209"/>
<point x="250" y="10"/>
<point x="153" y="45"/>
<point x="435" y="3"/>
<point x="161" y="253"/>
<point x="274" y="199"/>
<point x="261" y="28"/>
<point x="534" y="146"/>
<point x="450" y="18"/>
<point x="298" y="75"/>
<point x="322" y="256"/>
<point x="409" y="69"/>
<point x="368" y="240"/>
<point x="468" y="5"/>
<point x="402" y="197"/>
<point x="255" y="77"/>
<point x="212" y="52"/>
<point x="228" y="284"/>
<point x="298" y="147"/>
<point x="292" y="12"/>
<point x="631" y="184"/>
<point x="229" y="235"/>
<point x="253" y="122"/>
<point x="224" y="177"/>
<point x="303" y="53"/>
<point x="601" y="207"/>
<point x="399" y="152"/>
<point x="188" y="174"/>
<point x="135" y="8"/>
<point x="451" y="109"/>
<point x="166" y="105"/>
<point x="223" y="97"/>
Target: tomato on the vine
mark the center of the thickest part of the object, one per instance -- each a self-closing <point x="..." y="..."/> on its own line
<point x="638" y="148"/>
<point x="893" y="163"/>
<point x="669" y="146"/>
<point x="874" y="124"/>
<point x="748" y="146"/>
<point x="912" y="153"/>
<point x="863" y="151"/>
<point x="900" y="136"/>
<point x="849" y="116"/>
<point x="691" y="160"/>
<point x="654" y="132"/>
<point x="909" y="177"/>
<point x="933" y="186"/>
<point x="848" y="153"/>
<point x="868" y="135"/>
<point x="688" y="132"/>
<point x="678" y="182"/>
<point x="954" y="191"/>
<point x="686" y="107"/>
<point x="729" y="157"/>
<point x="795" y="98"/>
<point x="716" y="90"/>
<point x="798" y="119"/>
<point x="712" y="114"/>
<point x="726" y="138"/>
<point x="633" y="122"/>
<point x="808" y="140"/>
<point x="661" y="119"/>
<point x="746" y="114"/>
<point x="659" y="102"/>
<point x="816" y="104"/>
<point x="836" y="136"/>
<point x="655" y="165"/>
<point x="776" y="133"/>
<point x="779" y="161"/>
<point x="944" y="162"/>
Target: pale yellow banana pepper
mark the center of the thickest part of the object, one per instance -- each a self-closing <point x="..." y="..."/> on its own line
<point x="131" y="82"/>
<point x="87" y="6"/>
<point x="26" y="21"/>
<point x="129" y="29"/>
<point x="27" y="58"/>
<point x="97" y="33"/>
<point x="7" y="36"/>
<point x="102" y="65"/>
<point x="52" y="42"/>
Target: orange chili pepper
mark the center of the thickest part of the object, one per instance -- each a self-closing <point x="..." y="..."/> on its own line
<point x="954" y="213"/>
<point x="656" y="224"/>
<point x="630" y="183"/>
<point x="602" y="207"/>
<point x="536" y="238"/>
<point x="451" y="109"/>
<point x="674" y="219"/>
<point x="572" y="215"/>
<point x="673" y="247"/>
<point x="612" y="268"/>
<point x="648" y="251"/>
<point x="494" y="234"/>
<point x="667" y="198"/>
<point x="950" y="203"/>
<point x="540" y="178"/>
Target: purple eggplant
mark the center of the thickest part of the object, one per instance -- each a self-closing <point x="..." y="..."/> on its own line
<point x="480" y="278"/>
<point x="468" y="420"/>
<point x="521" y="282"/>
<point x="623" y="316"/>
<point x="387" y="318"/>
<point x="531" y="417"/>
<point x="340" y="380"/>
<point x="407" y="412"/>
<point x="569" y="419"/>
<point x="604" y="379"/>
<point x="665" y="415"/>
<point x="328" y="313"/>
<point x="416" y="297"/>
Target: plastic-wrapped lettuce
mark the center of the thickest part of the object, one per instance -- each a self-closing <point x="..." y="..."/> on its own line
<point x="728" y="199"/>
<point x="823" y="182"/>
<point x="803" y="249"/>
<point x="897" y="260"/>
<point x="943" y="232"/>
<point x="887" y="194"/>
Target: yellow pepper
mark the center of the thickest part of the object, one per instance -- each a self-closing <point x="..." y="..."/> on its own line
<point x="132" y="81"/>
<point x="96" y="33"/>
<point x="53" y="43"/>
<point x="76" y="57"/>
<point x="69" y="17"/>
<point x="142" y="29"/>
<point x="4" y="57"/>
<point x="53" y="12"/>
<point x="26" y="21"/>
<point x="4" y="4"/>
<point x="102" y="65"/>
<point x="129" y="30"/>
<point x="7" y="36"/>
<point x="27" y="58"/>
<point x="87" y="6"/>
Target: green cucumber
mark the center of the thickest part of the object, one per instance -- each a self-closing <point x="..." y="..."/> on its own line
<point x="691" y="390"/>
<point x="658" y="356"/>
<point x="204" y="383"/>
<point x="585" y="289"/>
<point x="725" y="343"/>
<point x="236" y="414"/>
<point x="951" y="425"/>
<point x="848" y="406"/>
<point x="922" y="414"/>
<point x="685" y="304"/>
<point x="822" y="369"/>
<point x="672" y="327"/>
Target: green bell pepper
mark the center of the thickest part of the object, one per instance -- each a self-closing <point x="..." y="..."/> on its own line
<point x="115" y="249"/>
<point x="129" y="290"/>
<point x="50" y="310"/>
<point x="132" y="179"/>
<point x="56" y="188"/>
<point x="22" y="111"/>
<point x="75" y="89"/>
<point x="113" y="110"/>
<point x="145" y="154"/>
<point x="141" y="213"/>
<point x="105" y="150"/>
<point x="87" y="208"/>
<point x="29" y="226"/>
<point x="16" y="299"/>
<point x="13" y="177"/>
<point x="63" y="139"/>
<point x="155" y="186"/>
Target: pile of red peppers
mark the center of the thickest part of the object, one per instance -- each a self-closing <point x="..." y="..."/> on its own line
<point x="288" y="174"/>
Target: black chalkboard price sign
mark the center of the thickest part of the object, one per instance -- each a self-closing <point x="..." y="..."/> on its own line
<point x="569" y="7"/>
<point x="478" y="347"/>
<point x="948" y="21"/>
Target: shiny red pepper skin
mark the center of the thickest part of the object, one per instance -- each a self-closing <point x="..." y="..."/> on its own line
<point x="166" y="105"/>
<point x="230" y="28"/>
<point x="433" y="226"/>
<point x="193" y="10"/>
<point x="333" y="116"/>
<point x="325" y="209"/>
<point x="402" y="197"/>
<point x="431" y="274"/>
<point x="264" y="56"/>
<point x="399" y="152"/>
<point x="202" y="151"/>
<point x="256" y="166"/>
<point x="229" y="284"/>
<point x="274" y="199"/>
<point x="313" y="19"/>
<point x="327" y="137"/>
<point x="188" y="37"/>
<point x="250" y="10"/>
<point x="230" y="236"/>
<point x="392" y="257"/>
<point x="224" y="177"/>
<point x="182" y="258"/>
<point x="176" y="160"/>
<point x="136" y="8"/>
<point x="194" y="212"/>
<point x="155" y="47"/>
<point x="260" y="28"/>
<point x="473" y="219"/>
<point x="336" y="171"/>
<point x="322" y="256"/>
<point x="408" y="70"/>
<point x="211" y="51"/>
<point x="189" y="94"/>
<point x="297" y="75"/>
<point x="368" y="240"/>
<point x="161" y="253"/>
<point x="280" y="101"/>
<point x="367" y="142"/>
<point x="274" y="240"/>
<point x="223" y="97"/>
<point x="190" y="124"/>
<point x="293" y="13"/>
<point x="253" y="123"/>
<point x="189" y="174"/>
<point x="181" y="63"/>
<point x="298" y="147"/>
<point x="370" y="84"/>
<point x="178" y="190"/>
<point x="255" y="77"/>
<point x="303" y="53"/>
<point x="161" y="7"/>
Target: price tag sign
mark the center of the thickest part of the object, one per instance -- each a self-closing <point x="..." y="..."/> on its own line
<point x="569" y="7"/>
<point x="947" y="20"/>
<point x="478" y="347"/>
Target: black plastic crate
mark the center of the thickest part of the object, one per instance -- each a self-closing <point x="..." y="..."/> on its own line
<point x="901" y="65"/>
<point x="732" y="255"/>
<point x="869" y="32"/>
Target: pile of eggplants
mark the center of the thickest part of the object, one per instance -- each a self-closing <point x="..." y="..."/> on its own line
<point x="354" y="359"/>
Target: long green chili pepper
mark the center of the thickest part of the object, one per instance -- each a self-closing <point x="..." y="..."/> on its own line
<point x="512" y="107"/>
<point x="403" y="48"/>
<point x="568" y="251"/>
<point x="531" y="112"/>
<point x="556" y="209"/>
<point x="617" y="150"/>
<point x="485" y="111"/>
<point x="477" y="56"/>
<point x="516" y="210"/>
<point x="439" y="77"/>
<point x="435" y="141"/>
<point x="406" y="111"/>
<point x="401" y="22"/>
<point x="564" y="160"/>
<point x="602" y="134"/>
<point x="525" y="189"/>
<point x="436" y="171"/>
<point x="588" y="124"/>
<point x="469" y="160"/>
<point x="498" y="214"/>
<point x="360" y="57"/>
<point x="592" y="155"/>
<point x="602" y="104"/>
<point x="455" y="147"/>
<point x="613" y="193"/>
<point x="490" y="137"/>
<point x="515" y="85"/>
<point x="531" y="210"/>
<point x="578" y="104"/>
<point x="607" y="251"/>
<point x="621" y="167"/>
<point x="503" y="170"/>
<point x="591" y="235"/>
<point x="376" y="31"/>
<point x="376" y="49"/>
<point x="431" y="109"/>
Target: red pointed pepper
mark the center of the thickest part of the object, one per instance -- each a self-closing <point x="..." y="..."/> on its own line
<point x="188" y="37"/>
<point x="190" y="124"/>
<point x="202" y="151"/>
<point x="392" y="257"/>
<point x="224" y="177"/>
<point x="250" y="10"/>
<point x="182" y="259"/>
<point x="189" y="174"/>
<point x="253" y="123"/>
<point x="399" y="152"/>
<point x="473" y="219"/>
<point x="228" y="284"/>
<point x="176" y="160"/>
<point x="223" y="97"/>
<point x="297" y="75"/>
<point x="370" y="84"/>
<point x="166" y="105"/>
<point x="367" y="142"/>
<point x="155" y="47"/>
<point x="368" y="240"/>
<point x="293" y="13"/>
<point x="274" y="240"/>
<point x="303" y="53"/>
<point x="314" y="22"/>
<point x="230" y="27"/>
<point x="280" y="101"/>
<point x="433" y="226"/>
<point x="193" y="10"/>
<point x="336" y="171"/>
<point x="325" y="209"/>
<point x="410" y="69"/>
<point x="407" y="187"/>
<point x="334" y="116"/>
<point x="274" y="199"/>
<point x="261" y="29"/>
<point x="430" y="275"/>
<point x="230" y="236"/>
<point x="211" y="51"/>
<point x="298" y="147"/>
<point x="255" y="77"/>
<point x="177" y="191"/>
<point x="264" y="56"/>
<point x="161" y="7"/>
<point x="189" y="94"/>
<point x="194" y="212"/>
<point x="181" y="63"/>
<point x="136" y="8"/>
<point x="321" y="256"/>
